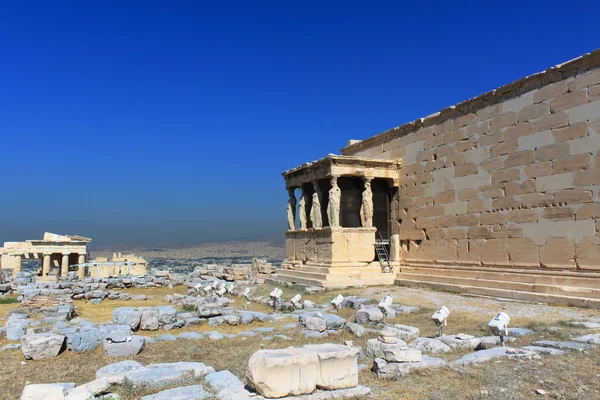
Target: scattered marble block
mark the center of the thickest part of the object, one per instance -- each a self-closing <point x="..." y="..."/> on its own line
<point x="189" y="336"/>
<point x="585" y="324"/>
<point x="357" y="392"/>
<point x="338" y="365"/>
<point x="593" y="338"/>
<point x="197" y="369"/>
<point x="129" y="316"/>
<point x="394" y="370"/>
<point x="519" y="331"/>
<point x="279" y="373"/>
<point x="368" y="314"/>
<point x="428" y="345"/>
<point x="47" y="391"/>
<point x="41" y="346"/>
<point x="401" y="355"/>
<point x="375" y="347"/>
<point x="563" y="345"/>
<point x="493" y="341"/>
<point x="298" y="371"/>
<point x="149" y="320"/>
<point x="548" y="351"/>
<point x="166" y="338"/>
<point x="193" y="392"/>
<point x="91" y="389"/>
<point x="129" y="346"/>
<point x="315" y="324"/>
<point x="460" y="341"/>
<point x="227" y="386"/>
<point x="155" y="378"/>
<point x="85" y="341"/>
<point x="356" y="329"/>
<point x="404" y="332"/>
<point x="496" y="352"/>
<point x="118" y="370"/>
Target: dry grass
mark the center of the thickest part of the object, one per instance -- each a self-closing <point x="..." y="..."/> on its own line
<point x="575" y="376"/>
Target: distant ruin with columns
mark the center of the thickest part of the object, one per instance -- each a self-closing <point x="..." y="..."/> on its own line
<point x="56" y="252"/>
<point x="498" y="195"/>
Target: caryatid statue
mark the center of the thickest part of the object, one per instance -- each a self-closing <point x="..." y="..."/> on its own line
<point x="291" y="210"/>
<point x="302" y="211"/>
<point x="333" y="207"/>
<point x="366" y="209"/>
<point x="315" y="212"/>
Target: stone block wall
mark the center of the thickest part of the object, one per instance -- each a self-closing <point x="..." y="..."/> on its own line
<point x="510" y="178"/>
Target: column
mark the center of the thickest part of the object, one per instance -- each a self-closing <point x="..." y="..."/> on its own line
<point x="333" y="207"/>
<point x="64" y="266"/>
<point x="315" y="210"/>
<point x="302" y="210"/>
<point x="16" y="264"/>
<point x="46" y="265"/>
<point x="81" y="270"/>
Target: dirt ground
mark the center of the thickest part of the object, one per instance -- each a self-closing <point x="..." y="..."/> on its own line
<point x="574" y="376"/>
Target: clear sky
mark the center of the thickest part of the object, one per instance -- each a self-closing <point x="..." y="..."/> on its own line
<point x="170" y="122"/>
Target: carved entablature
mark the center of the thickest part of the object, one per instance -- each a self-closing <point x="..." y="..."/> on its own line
<point x="339" y="166"/>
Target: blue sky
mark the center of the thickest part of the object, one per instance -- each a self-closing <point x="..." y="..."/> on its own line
<point x="170" y="122"/>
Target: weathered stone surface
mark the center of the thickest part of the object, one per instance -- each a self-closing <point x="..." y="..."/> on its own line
<point x="334" y="322"/>
<point x="375" y="347"/>
<point x="593" y="338"/>
<point x="47" y="391"/>
<point x="197" y="369"/>
<point x="129" y="347"/>
<point x="430" y="346"/>
<point x="386" y="370"/>
<point x="562" y="345"/>
<point x="155" y="378"/>
<point x="190" y="336"/>
<point x="404" y="332"/>
<point x="193" y="392"/>
<point x="356" y="329"/>
<point x="315" y="324"/>
<point x="41" y="346"/>
<point x="149" y="320"/>
<point x="227" y="386"/>
<point x="460" y="341"/>
<point x="118" y="370"/>
<point x="167" y="315"/>
<point x="278" y="373"/>
<point x="357" y="392"/>
<point x="392" y="353"/>
<point x="127" y="316"/>
<point x="488" y="354"/>
<point x="91" y="389"/>
<point x="368" y="314"/>
<point x="85" y="341"/>
<point x="545" y="350"/>
<point x="338" y="365"/>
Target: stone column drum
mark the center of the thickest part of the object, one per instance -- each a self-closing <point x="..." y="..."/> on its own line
<point x="46" y="265"/>
<point x="64" y="266"/>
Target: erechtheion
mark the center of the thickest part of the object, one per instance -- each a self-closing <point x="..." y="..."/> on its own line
<point x="57" y="252"/>
<point x="497" y="195"/>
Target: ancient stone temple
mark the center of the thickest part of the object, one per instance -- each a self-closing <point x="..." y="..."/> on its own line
<point x="55" y="252"/>
<point x="497" y="195"/>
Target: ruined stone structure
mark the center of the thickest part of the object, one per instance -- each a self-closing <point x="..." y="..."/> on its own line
<point x="121" y="264"/>
<point x="497" y="195"/>
<point x="56" y="252"/>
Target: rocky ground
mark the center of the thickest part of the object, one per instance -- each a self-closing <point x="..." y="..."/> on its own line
<point x="228" y="344"/>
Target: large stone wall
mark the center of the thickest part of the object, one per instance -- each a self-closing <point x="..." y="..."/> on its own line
<point x="510" y="178"/>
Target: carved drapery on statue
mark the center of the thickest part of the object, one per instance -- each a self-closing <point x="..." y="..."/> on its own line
<point x="366" y="210"/>
<point x="333" y="207"/>
<point x="302" y="211"/>
<point x="315" y="211"/>
<point x="291" y="210"/>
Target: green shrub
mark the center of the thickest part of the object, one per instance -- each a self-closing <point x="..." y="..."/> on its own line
<point x="8" y="300"/>
<point x="189" y="308"/>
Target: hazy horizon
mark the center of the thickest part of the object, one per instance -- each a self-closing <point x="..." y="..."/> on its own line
<point x="171" y="123"/>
